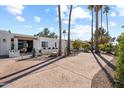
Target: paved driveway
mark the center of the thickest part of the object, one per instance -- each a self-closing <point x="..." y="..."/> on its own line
<point x="73" y="71"/>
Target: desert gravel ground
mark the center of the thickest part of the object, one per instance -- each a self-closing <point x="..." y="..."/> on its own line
<point x="100" y="79"/>
<point x="72" y="71"/>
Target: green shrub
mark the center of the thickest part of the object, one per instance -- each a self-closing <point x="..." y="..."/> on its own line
<point x="119" y="74"/>
<point x="77" y="44"/>
<point x="108" y="47"/>
<point x="101" y="47"/>
<point x="86" y="47"/>
<point x="115" y="50"/>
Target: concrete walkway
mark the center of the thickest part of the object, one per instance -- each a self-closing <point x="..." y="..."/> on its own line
<point x="73" y="71"/>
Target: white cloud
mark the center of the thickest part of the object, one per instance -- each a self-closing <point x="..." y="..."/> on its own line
<point x="51" y="29"/>
<point x="81" y="29"/>
<point x="82" y="32"/>
<point x="19" y="18"/>
<point x="15" y="9"/>
<point x="41" y="28"/>
<point x="77" y="13"/>
<point x="112" y="24"/>
<point x="37" y="19"/>
<point x="80" y="13"/>
<point x="26" y="26"/>
<point x="103" y="24"/>
<point x="65" y="21"/>
<point x="47" y="10"/>
<point x="120" y="9"/>
<point x="64" y="11"/>
<point x="113" y="14"/>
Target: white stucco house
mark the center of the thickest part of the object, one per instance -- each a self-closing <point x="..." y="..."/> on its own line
<point x="14" y="44"/>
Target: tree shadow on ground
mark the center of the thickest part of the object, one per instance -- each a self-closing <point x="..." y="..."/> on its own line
<point x="110" y="78"/>
<point x="107" y="62"/>
<point x="32" y="69"/>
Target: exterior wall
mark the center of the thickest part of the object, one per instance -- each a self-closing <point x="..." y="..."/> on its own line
<point x="15" y="43"/>
<point x="51" y="45"/>
<point x="5" y="42"/>
<point x="37" y="43"/>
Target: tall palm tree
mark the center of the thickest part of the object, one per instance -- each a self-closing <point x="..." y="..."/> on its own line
<point x="60" y="28"/>
<point x="106" y="11"/>
<point x="91" y="8"/>
<point x="64" y="32"/>
<point x="69" y="24"/>
<point x="122" y="26"/>
<point x="101" y="21"/>
<point x="97" y="9"/>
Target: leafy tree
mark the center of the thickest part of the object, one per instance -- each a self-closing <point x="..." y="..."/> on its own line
<point x="46" y="33"/>
<point x="86" y="46"/>
<point x="77" y="44"/>
<point x="120" y="37"/>
<point x="53" y="35"/>
<point x="106" y="38"/>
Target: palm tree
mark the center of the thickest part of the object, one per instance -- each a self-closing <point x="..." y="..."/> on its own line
<point x="97" y="9"/>
<point x="64" y="32"/>
<point x="91" y="8"/>
<point x="106" y="10"/>
<point x="46" y="32"/>
<point x="60" y="38"/>
<point x="122" y="26"/>
<point x="101" y="21"/>
<point x="68" y="45"/>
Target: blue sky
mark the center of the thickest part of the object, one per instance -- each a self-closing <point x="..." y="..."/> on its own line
<point x="31" y="19"/>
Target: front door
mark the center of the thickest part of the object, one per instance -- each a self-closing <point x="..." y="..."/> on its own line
<point x="3" y="47"/>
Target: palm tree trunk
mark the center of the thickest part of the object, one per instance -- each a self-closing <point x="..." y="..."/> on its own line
<point x="107" y="22"/>
<point x="96" y="47"/>
<point x="92" y="31"/>
<point x="68" y="47"/>
<point x="101" y="24"/>
<point x="60" y="28"/>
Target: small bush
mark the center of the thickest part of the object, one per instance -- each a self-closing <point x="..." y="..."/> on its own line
<point x="101" y="47"/>
<point x="77" y="44"/>
<point x="108" y="47"/>
<point x="115" y="50"/>
<point x="86" y="47"/>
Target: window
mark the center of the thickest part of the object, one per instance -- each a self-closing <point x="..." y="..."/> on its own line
<point x="55" y="44"/>
<point x="44" y="44"/>
<point x="12" y="39"/>
<point x="12" y="43"/>
<point x="4" y="40"/>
